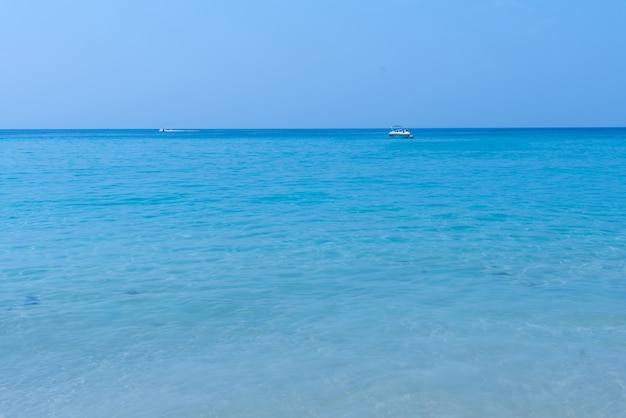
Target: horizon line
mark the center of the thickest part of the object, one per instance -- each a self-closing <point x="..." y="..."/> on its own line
<point x="189" y="129"/>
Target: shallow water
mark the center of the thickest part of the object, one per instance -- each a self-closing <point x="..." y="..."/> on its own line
<point x="313" y="273"/>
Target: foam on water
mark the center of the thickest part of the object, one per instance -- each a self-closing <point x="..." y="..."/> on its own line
<point x="313" y="273"/>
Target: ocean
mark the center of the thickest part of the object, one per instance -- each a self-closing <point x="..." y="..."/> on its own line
<point x="313" y="273"/>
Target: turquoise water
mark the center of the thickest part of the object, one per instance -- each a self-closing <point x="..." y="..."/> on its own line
<point x="462" y="273"/>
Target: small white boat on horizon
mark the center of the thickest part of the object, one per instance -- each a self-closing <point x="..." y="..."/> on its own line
<point x="177" y="130"/>
<point x="400" y="131"/>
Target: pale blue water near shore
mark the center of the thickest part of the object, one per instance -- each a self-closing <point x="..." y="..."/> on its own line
<point x="332" y="273"/>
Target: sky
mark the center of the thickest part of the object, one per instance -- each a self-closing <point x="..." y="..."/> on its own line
<point x="311" y="63"/>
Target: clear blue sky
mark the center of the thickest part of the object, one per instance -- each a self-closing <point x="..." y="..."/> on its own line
<point x="312" y="63"/>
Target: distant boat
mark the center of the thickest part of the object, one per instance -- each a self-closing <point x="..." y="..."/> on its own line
<point x="400" y="131"/>
<point x="177" y="130"/>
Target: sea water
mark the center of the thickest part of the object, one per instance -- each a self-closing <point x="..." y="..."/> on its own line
<point x="331" y="273"/>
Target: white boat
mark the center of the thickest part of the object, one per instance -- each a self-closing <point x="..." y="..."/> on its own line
<point x="400" y="131"/>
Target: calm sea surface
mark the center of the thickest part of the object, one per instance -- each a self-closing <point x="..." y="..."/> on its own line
<point x="331" y="273"/>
